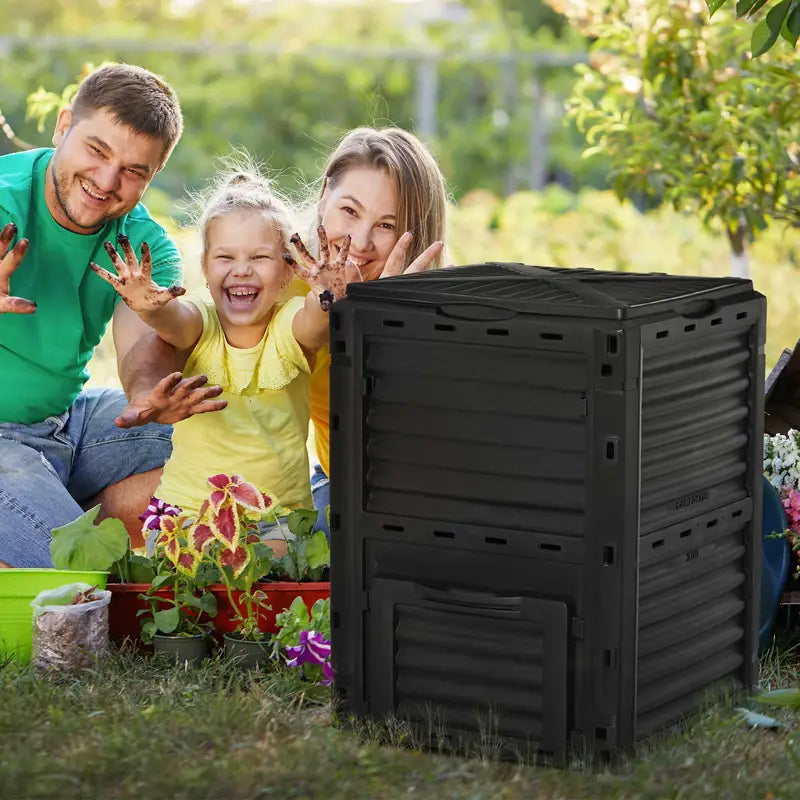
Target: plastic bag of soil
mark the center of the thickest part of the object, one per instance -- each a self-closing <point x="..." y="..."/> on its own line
<point x="70" y="626"/>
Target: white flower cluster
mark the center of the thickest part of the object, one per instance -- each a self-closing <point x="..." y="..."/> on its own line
<point x="782" y="459"/>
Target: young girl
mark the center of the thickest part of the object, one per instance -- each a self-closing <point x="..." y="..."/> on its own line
<point x="253" y="340"/>
<point x="384" y="197"/>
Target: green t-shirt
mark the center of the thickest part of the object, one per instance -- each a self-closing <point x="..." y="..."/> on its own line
<point x="43" y="356"/>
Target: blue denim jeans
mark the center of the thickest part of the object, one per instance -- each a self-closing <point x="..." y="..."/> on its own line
<point x="48" y="470"/>
<point x="321" y="492"/>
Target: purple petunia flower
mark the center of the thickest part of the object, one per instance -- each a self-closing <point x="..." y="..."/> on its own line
<point x="314" y="648"/>
<point x="154" y="512"/>
<point x="327" y="674"/>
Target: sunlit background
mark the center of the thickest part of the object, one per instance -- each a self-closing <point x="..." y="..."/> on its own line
<point x="484" y="82"/>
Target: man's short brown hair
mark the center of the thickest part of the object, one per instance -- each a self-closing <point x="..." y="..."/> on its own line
<point x="135" y="97"/>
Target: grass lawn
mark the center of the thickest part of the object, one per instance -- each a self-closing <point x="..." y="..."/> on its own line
<point x="137" y="727"/>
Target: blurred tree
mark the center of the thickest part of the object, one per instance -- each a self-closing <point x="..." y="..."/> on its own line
<point x="531" y="15"/>
<point x="286" y="79"/>
<point x="686" y="118"/>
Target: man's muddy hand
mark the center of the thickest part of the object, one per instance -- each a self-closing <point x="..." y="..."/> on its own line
<point x="9" y="261"/>
<point x="171" y="400"/>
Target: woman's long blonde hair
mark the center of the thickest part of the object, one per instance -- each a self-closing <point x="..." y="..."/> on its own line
<point x="420" y="184"/>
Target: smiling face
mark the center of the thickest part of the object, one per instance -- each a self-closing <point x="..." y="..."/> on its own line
<point x="364" y="204"/>
<point x="245" y="270"/>
<point x="99" y="171"/>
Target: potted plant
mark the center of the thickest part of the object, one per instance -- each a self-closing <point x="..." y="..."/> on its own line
<point x="219" y="552"/>
<point x="226" y="532"/>
<point x="302" y="571"/>
<point x="304" y="640"/>
<point x="180" y="609"/>
<point x="254" y="586"/>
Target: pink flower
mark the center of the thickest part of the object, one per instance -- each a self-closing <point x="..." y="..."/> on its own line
<point x="791" y="503"/>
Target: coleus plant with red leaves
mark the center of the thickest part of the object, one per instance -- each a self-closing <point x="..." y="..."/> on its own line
<point x="224" y="537"/>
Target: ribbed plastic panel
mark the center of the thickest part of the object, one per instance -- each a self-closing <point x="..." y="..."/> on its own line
<point x="443" y="661"/>
<point x="695" y="428"/>
<point x="691" y="626"/>
<point x="435" y="661"/>
<point x="631" y="288"/>
<point x="506" y="288"/>
<point x="442" y="442"/>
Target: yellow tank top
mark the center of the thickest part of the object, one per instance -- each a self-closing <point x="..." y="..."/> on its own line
<point x="320" y="391"/>
<point x="262" y="433"/>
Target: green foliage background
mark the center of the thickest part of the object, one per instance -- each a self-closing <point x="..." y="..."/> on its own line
<point x="286" y="79"/>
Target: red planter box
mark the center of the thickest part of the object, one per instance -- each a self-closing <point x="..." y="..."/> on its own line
<point x="125" y="602"/>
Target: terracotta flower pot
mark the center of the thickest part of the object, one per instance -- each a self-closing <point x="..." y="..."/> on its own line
<point x="123" y="624"/>
<point x="125" y="602"/>
<point x="279" y="596"/>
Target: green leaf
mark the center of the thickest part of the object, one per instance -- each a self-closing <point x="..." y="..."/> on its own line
<point x="208" y="603"/>
<point x="149" y="630"/>
<point x="166" y="579"/>
<point x="791" y="28"/>
<point x="318" y="551"/>
<point x="781" y="697"/>
<point x="321" y="617"/>
<point x="593" y="151"/>
<point x="299" y="610"/>
<point x="302" y="522"/>
<point x="142" y="569"/>
<point x="755" y="221"/>
<point x="767" y="31"/>
<point x="714" y="6"/>
<point x="288" y="565"/>
<point x="762" y="39"/>
<point x="82" y="545"/>
<point x="188" y="599"/>
<point x="167" y="621"/>
<point x="207" y="572"/>
<point x="748" y="7"/>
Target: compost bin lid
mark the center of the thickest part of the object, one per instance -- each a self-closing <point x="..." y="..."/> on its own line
<point x="552" y="290"/>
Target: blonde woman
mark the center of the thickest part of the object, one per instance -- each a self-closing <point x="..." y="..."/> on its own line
<point x="383" y="189"/>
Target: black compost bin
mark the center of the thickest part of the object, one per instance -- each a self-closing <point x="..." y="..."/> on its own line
<point x="546" y="500"/>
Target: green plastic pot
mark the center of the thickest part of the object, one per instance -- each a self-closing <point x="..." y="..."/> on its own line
<point x="18" y="587"/>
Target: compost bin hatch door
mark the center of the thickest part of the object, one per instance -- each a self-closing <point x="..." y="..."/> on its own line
<point x="458" y="660"/>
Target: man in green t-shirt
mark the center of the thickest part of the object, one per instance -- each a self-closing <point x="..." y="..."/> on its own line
<point x="59" y="209"/>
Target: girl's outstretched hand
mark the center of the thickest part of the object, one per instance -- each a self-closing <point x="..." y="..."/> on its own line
<point x="394" y="264"/>
<point x="328" y="279"/>
<point x="132" y="281"/>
